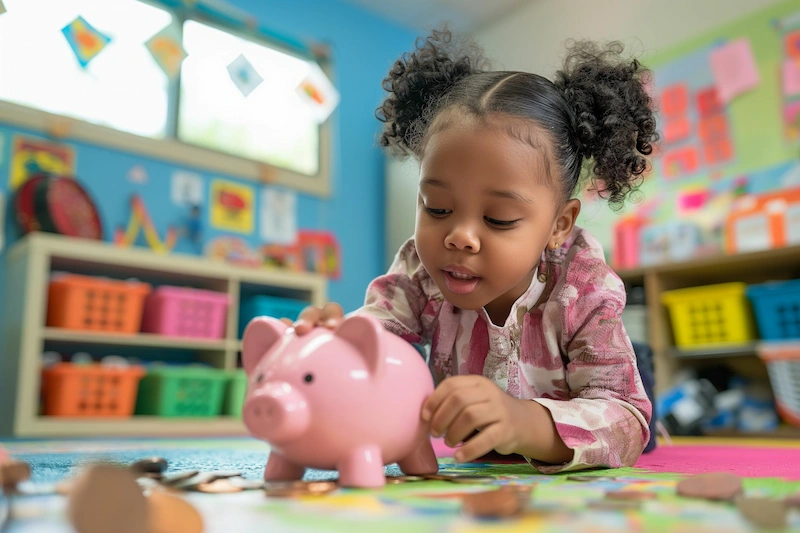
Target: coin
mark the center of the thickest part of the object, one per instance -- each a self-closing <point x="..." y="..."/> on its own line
<point x="589" y="478"/>
<point x="293" y="489"/>
<point x="192" y="482"/>
<point x="218" y="486"/>
<point x="107" y="498"/>
<point x="763" y="512"/>
<point x="177" y="477"/>
<point x="225" y="474"/>
<point x="631" y="495"/>
<point x="403" y="479"/>
<point x="793" y="500"/>
<point x="12" y="473"/>
<point x="246" y="484"/>
<point x="491" y="504"/>
<point x="715" y="486"/>
<point x="459" y="478"/>
<point x="155" y="465"/>
<point x="169" y="513"/>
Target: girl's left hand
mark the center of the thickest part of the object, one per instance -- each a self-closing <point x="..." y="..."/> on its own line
<point x="461" y="405"/>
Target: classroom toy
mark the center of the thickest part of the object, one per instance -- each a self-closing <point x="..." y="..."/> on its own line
<point x="56" y="204"/>
<point x="347" y="400"/>
<point x="140" y="221"/>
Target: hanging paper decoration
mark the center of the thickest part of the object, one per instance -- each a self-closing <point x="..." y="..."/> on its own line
<point x="2" y="7"/>
<point x="85" y="41"/>
<point x="319" y="94"/>
<point x="165" y="47"/>
<point x="244" y="76"/>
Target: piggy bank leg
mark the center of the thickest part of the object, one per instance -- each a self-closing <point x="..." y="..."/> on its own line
<point x="421" y="460"/>
<point x="279" y="469"/>
<point x="363" y="468"/>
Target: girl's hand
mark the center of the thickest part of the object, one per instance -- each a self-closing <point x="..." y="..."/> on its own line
<point x="461" y="405"/>
<point x="330" y="316"/>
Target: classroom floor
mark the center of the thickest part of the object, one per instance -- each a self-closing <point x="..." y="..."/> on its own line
<point x="770" y="468"/>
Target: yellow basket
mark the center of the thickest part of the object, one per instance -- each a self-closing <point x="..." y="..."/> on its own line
<point x="710" y="315"/>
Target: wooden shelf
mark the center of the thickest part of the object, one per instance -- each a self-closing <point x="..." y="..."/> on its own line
<point x="44" y="426"/>
<point x="712" y="352"/>
<point x="140" y="339"/>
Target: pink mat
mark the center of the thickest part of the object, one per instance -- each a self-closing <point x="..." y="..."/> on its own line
<point x="743" y="460"/>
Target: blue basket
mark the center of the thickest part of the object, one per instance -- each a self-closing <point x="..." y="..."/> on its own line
<point x="777" y="309"/>
<point x="273" y="306"/>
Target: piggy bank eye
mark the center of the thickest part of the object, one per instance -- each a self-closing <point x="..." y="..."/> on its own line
<point x="308" y="378"/>
<point x="259" y="378"/>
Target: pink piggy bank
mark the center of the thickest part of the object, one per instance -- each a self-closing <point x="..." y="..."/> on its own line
<point x="346" y="400"/>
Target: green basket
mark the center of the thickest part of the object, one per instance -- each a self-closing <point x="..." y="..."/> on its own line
<point x="235" y="391"/>
<point x="173" y="391"/>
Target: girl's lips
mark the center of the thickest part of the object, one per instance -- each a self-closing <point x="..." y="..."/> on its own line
<point x="458" y="285"/>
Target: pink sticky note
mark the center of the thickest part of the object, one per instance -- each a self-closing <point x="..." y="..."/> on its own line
<point x="734" y="68"/>
<point x="693" y="200"/>
<point x="791" y="77"/>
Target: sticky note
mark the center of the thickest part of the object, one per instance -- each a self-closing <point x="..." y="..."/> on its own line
<point x="734" y="69"/>
<point x="791" y="77"/>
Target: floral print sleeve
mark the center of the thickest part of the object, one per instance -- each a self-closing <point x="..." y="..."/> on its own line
<point x="605" y="419"/>
<point x="404" y="298"/>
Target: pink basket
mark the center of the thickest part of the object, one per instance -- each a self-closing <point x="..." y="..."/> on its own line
<point x="182" y="312"/>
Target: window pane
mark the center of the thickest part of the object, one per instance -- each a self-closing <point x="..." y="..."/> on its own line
<point x="272" y="124"/>
<point x="122" y="87"/>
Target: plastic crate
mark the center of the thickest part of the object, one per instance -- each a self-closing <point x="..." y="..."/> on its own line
<point x="90" y="390"/>
<point x="710" y="315"/>
<point x="99" y="304"/>
<point x="185" y="312"/>
<point x="273" y="306"/>
<point x="175" y="391"/>
<point x="777" y="307"/>
<point x="235" y="392"/>
<point x="783" y="366"/>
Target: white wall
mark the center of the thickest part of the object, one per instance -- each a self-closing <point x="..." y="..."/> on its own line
<point x="401" y="203"/>
<point x="532" y="38"/>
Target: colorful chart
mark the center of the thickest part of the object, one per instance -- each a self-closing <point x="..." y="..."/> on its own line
<point x="86" y="42"/>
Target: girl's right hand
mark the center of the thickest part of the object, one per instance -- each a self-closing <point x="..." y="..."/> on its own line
<point x="330" y="316"/>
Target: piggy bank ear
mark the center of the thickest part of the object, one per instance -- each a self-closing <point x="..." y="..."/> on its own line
<point x="260" y="335"/>
<point x="365" y="333"/>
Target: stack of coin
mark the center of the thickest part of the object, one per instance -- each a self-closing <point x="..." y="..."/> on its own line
<point x="296" y="489"/>
<point x="460" y="478"/>
<point x="505" y="502"/>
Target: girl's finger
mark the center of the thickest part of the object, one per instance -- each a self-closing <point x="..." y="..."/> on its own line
<point x="479" y="445"/>
<point x="473" y="417"/>
<point x="452" y="406"/>
<point x="443" y="390"/>
<point x="307" y="320"/>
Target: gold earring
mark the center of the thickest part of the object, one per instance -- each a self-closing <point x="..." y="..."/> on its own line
<point x="555" y="246"/>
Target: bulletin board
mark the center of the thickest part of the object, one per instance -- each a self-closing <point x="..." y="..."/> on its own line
<point x="720" y="138"/>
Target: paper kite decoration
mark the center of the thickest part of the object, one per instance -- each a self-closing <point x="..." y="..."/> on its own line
<point x="318" y="93"/>
<point x="165" y="47"/>
<point x="2" y="7"/>
<point x="85" y="41"/>
<point x="244" y="76"/>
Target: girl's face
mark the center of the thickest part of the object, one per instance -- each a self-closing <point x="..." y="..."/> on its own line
<point x="486" y="210"/>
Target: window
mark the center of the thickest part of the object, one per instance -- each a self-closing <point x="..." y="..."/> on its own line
<point x="124" y="89"/>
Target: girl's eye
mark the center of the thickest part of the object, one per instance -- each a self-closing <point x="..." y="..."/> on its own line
<point x="438" y="212"/>
<point x="501" y="223"/>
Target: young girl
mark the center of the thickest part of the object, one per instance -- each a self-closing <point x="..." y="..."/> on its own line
<point x="517" y="303"/>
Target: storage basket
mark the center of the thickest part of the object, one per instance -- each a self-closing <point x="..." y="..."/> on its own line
<point x="777" y="308"/>
<point x="90" y="303"/>
<point x="783" y="366"/>
<point x="173" y="391"/>
<point x="710" y="315"/>
<point x="185" y="312"/>
<point x="273" y="306"/>
<point x="90" y="390"/>
<point x="235" y="392"/>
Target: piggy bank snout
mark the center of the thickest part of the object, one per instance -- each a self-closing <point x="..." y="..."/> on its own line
<point x="276" y="412"/>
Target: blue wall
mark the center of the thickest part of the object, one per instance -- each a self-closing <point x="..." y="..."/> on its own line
<point x="363" y="48"/>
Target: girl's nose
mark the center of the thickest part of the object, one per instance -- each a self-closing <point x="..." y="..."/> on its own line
<point x="462" y="238"/>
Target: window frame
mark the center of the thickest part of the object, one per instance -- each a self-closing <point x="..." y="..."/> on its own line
<point x="171" y="148"/>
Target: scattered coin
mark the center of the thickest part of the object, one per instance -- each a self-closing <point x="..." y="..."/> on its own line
<point x="793" y="500"/>
<point x="294" y="489"/>
<point x="218" y="486"/>
<point x="225" y="474"/>
<point x="177" y="477"/>
<point x="403" y="479"/>
<point x="152" y="465"/>
<point x="590" y="478"/>
<point x="107" y="498"/>
<point x="763" y="512"/>
<point x="492" y="504"/>
<point x="715" y="486"/>
<point x="615" y="505"/>
<point x="192" y="482"/>
<point x="171" y="514"/>
<point x="631" y="495"/>
<point x="247" y="484"/>
<point x="12" y="473"/>
<point x="459" y="478"/>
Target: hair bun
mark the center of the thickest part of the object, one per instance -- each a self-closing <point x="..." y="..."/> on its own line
<point x="419" y="79"/>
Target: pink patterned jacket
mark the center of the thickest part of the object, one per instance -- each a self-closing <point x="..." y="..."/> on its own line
<point x="563" y="345"/>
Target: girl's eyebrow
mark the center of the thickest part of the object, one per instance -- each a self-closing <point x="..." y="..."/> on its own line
<point x="433" y="182"/>
<point x="511" y="195"/>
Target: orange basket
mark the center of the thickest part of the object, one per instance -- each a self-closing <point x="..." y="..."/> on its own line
<point x="90" y="390"/>
<point x="89" y="303"/>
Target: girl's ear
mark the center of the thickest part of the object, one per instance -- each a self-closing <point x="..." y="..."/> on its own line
<point x="565" y="221"/>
